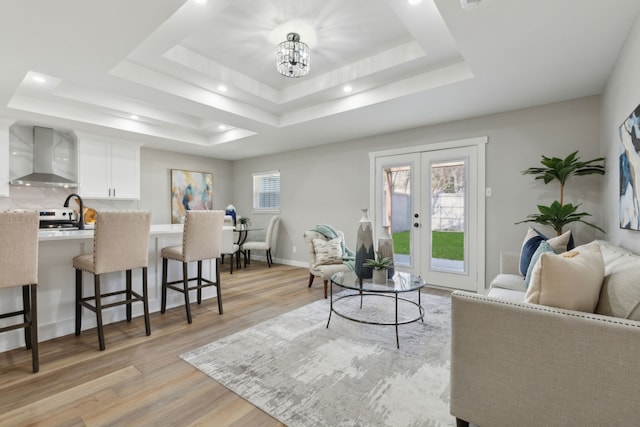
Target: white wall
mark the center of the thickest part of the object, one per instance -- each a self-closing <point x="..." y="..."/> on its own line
<point x="330" y="184"/>
<point x="620" y="97"/>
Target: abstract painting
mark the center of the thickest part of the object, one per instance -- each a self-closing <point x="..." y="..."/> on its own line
<point x="629" y="170"/>
<point x="190" y="191"/>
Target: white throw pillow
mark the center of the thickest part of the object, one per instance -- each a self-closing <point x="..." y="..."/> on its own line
<point x="328" y="251"/>
<point x="620" y="294"/>
<point x="571" y="280"/>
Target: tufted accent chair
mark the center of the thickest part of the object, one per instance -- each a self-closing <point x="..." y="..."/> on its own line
<point x="321" y="270"/>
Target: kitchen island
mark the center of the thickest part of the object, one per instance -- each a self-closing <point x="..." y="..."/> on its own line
<point x="56" y="282"/>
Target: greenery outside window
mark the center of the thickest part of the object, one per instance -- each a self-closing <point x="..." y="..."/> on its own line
<point x="266" y="191"/>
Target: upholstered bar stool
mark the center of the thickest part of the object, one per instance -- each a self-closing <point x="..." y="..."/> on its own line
<point x="19" y="267"/>
<point x="201" y="240"/>
<point x="120" y="243"/>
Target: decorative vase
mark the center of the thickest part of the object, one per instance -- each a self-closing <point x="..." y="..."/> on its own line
<point x="380" y="276"/>
<point x="231" y="211"/>
<point x="385" y="248"/>
<point x="364" y="246"/>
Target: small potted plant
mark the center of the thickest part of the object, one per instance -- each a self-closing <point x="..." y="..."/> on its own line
<point x="243" y="222"/>
<point x="379" y="266"/>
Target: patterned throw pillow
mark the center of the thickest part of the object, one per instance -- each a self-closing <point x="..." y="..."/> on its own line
<point x="532" y="240"/>
<point x="328" y="252"/>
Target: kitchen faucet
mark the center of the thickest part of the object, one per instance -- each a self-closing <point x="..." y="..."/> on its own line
<point x="80" y="223"/>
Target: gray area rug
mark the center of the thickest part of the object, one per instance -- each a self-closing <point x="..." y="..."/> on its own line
<point x="350" y="374"/>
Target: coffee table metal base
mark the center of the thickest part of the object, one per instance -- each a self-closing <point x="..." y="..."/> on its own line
<point x="395" y="297"/>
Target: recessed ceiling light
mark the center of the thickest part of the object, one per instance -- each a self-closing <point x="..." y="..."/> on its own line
<point x="38" y="79"/>
<point x="347" y="88"/>
<point x="414" y="1"/>
<point x="222" y="88"/>
<point x="134" y="117"/>
<point x="222" y="127"/>
<point x="201" y="1"/>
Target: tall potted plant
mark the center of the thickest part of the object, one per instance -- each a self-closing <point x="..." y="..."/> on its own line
<point x="558" y="214"/>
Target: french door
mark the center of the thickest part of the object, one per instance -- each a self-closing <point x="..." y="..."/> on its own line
<point x="430" y="199"/>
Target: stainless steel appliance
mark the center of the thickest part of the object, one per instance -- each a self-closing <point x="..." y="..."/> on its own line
<point x="58" y="218"/>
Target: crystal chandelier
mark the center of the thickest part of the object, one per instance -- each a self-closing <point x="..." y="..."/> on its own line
<point x="293" y="57"/>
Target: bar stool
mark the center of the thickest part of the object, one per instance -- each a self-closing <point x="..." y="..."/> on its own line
<point x="120" y="243"/>
<point x="19" y="267"/>
<point x="201" y="239"/>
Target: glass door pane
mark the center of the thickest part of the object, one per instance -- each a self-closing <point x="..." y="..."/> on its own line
<point x="448" y="218"/>
<point x="396" y="210"/>
<point x="397" y="188"/>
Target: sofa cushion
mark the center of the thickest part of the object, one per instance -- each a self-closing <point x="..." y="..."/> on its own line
<point x="542" y="248"/>
<point x="571" y="280"/>
<point x="620" y="293"/>
<point x="532" y="240"/>
<point x="328" y="251"/>
<point x="508" y="294"/>
<point x="509" y="281"/>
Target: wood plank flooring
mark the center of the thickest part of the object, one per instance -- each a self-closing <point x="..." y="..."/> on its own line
<point x="140" y="380"/>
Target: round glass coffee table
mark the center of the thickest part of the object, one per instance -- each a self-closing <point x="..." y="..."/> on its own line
<point x="392" y="288"/>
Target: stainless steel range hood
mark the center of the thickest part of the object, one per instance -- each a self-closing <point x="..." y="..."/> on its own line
<point x="43" y="161"/>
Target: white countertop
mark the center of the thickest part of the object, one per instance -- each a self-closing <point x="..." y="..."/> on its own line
<point x="61" y="234"/>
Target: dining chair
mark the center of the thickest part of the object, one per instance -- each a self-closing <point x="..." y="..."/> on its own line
<point x="120" y="243"/>
<point x="201" y="240"/>
<point x="230" y="248"/>
<point x="19" y="267"/>
<point x="269" y="241"/>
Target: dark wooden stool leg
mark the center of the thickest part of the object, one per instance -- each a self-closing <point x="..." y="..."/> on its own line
<point x="145" y="301"/>
<point x="99" y="311"/>
<point x="311" y="277"/>
<point x="33" y="314"/>
<point x="231" y="264"/>
<point x="26" y="309"/>
<point x="78" y="299"/>
<point x="200" y="282"/>
<point x="129" y="295"/>
<point x="326" y="283"/>
<point x="218" y="288"/>
<point x="185" y="282"/>
<point x="163" y="306"/>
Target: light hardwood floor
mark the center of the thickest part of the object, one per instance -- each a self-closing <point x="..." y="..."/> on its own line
<point x="140" y="380"/>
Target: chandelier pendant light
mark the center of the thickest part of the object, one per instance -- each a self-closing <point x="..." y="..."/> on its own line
<point x="293" y="57"/>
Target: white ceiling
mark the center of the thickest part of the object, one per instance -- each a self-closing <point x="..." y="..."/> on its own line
<point x="409" y="65"/>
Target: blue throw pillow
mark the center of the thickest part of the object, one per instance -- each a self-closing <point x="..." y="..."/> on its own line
<point x="531" y="242"/>
<point x="542" y="248"/>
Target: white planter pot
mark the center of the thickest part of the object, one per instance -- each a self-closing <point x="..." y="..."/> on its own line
<point x="380" y="276"/>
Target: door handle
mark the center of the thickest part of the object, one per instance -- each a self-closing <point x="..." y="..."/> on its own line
<point x="416" y="224"/>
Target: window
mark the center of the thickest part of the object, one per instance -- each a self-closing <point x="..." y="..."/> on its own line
<point x="266" y="191"/>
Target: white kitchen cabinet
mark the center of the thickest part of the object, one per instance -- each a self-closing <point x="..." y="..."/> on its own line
<point x="107" y="169"/>
<point x="5" y="124"/>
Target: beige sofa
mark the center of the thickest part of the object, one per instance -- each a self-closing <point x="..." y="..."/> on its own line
<point x="520" y="364"/>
